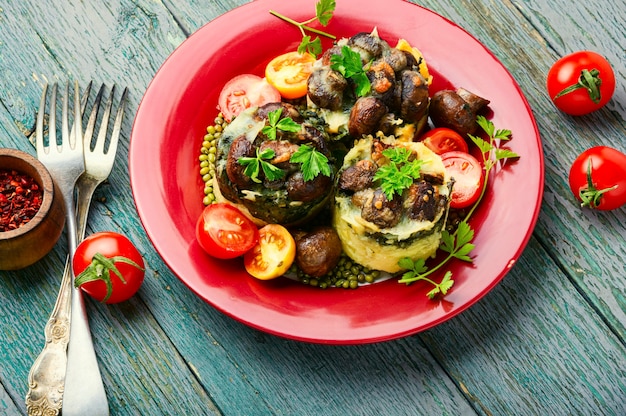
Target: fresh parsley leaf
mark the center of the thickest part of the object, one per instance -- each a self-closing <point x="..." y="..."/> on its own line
<point x="313" y="162"/>
<point x="324" y="11"/>
<point x="349" y="64"/>
<point x="459" y="244"/>
<point x="502" y="154"/>
<point x="276" y="123"/>
<point x="443" y="287"/>
<point x="314" y="47"/>
<point x="483" y="145"/>
<point x="399" y="173"/>
<point x="254" y="165"/>
<point x="486" y="125"/>
<point x="417" y="270"/>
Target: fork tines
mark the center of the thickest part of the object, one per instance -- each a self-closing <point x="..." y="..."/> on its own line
<point x="99" y="144"/>
<point x="81" y="102"/>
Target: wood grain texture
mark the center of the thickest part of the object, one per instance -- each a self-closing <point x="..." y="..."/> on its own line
<point x="548" y="340"/>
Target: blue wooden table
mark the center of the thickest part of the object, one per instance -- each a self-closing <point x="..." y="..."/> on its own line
<point x="548" y="340"/>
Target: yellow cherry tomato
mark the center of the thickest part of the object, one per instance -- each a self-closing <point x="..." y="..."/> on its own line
<point x="273" y="255"/>
<point x="403" y="45"/>
<point x="289" y="73"/>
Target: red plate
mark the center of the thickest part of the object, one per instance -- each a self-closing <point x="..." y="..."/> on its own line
<point x="181" y="101"/>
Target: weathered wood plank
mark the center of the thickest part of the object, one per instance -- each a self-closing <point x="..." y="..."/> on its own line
<point x="182" y="354"/>
<point x="538" y="340"/>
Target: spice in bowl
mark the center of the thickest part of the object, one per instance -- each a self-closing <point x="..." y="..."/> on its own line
<point x="20" y="199"/>
<point x="32" y="215"/>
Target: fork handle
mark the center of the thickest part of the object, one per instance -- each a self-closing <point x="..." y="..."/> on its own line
<point x="84" y="391"/>
<point x="47" y="374"/>
<point x="46" y="379"/>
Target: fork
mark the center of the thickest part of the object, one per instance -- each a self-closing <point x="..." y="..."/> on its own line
<point x="48" y="373"/>
<point x="84" y="393"/>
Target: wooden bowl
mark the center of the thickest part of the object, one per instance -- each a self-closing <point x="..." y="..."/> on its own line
<point x="29" y="243"/>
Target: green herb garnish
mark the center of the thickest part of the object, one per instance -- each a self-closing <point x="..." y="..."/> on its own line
<point x="276" y="123"/>
<point x="350" y="66"/>
<point x="459" y="244"/>
<point x="313" y="162"/>
<point x="254" y="165"/>
<point x="418" y="271"/>
<point x="399" y="173"/>
<point x="323" y="13"/>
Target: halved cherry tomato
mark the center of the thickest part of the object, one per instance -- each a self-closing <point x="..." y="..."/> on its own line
<point x="245" y="91"/>
<point x="581" y="82"/>
<point x="273" y="255"/>
<point x="468" y="175"/>
<point x="289" y="73"/>
<point x="223" y="231"/>
<point x="597" y="178"/>
<point x="441" y="140"/>
<point x="108" y="267"/>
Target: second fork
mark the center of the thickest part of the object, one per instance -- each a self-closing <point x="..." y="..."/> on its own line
<point x="81" y="386"/>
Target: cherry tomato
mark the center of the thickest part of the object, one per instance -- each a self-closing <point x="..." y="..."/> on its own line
<point x="468" y="175"/>
<point x="108" y="267"/>
<point x="273" y="255"/>
<point x="580" y="83"/>
<point x="223" y="231"/>
<point x="245" y="91"/>
<point x="597" y="178"/>
<point x="441" y="140"/>
<point x="289" y="73"/>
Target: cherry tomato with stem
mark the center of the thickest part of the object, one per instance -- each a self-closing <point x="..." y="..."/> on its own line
<point x="289" y="73"/>
<point x="597" y="178"/>
<point x="273" y="255"/>
<point x="245" y="91"/>
<point x="580" y="83"/>
<point x="108" y="267"/>
<point x="224" y="232"/>
<point x="442" y="139"/>
<point x="468" y="175"/>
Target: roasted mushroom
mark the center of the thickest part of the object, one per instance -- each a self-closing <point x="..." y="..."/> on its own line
<point x="325" y="88"/>
<point x="366" y="115"/>
<point x="456" y="110"/>
<point x="318" y="251"/>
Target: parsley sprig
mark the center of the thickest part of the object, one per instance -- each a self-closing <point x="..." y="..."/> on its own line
<point x="313" y="162"/>
<point x="459" y="244"/>
<point x="276" y="123"/>
<point x="323" y="13"/>
<point x="254" y="166"/>
<point x="399" y="173"/>
<point x="349" y="65"/>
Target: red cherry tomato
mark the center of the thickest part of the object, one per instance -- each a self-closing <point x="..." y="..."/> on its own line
<point x="468" y="175"/>
<point x="108" y="267"/>
<point x="441" y="140"/>
<point x="580" y="83"/>
<point x="597" y="178"/>
<point x="223" y="231"/>
<point x="245" y="91"/>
